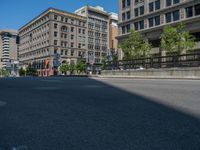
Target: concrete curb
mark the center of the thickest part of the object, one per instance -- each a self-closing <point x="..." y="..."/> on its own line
<point x="170" y="73"/>
<point x="142" y="77"/>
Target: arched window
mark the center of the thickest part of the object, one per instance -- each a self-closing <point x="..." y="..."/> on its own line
<point x="64" y="28"/>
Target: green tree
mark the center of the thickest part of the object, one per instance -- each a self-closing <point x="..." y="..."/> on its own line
<point x="104" y="61"/>
<point x="22" y="72"/>
<point x="80" y="66"/>
<point x="134" y="46"/>
<point x="64" y="68"/>
<point x="4" y="72"/>
<point x="72" y="68"/>
<point x="114" y="54"/>
<point x="176" y="40"/>
<point x="31" y="71"/>
<point x="1" y="74"/>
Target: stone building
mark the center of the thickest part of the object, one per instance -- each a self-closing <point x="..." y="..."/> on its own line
<point x="150" y="16"/>
<point x="51" y="38"/>
<point x="97" y="35"/>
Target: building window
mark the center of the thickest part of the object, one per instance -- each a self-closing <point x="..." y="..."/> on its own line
<point x="79" y="31"/>
<point x="141" y="24"/>
<point x="62" y="19"/>
<point x="79" y="23"/>
<point x="72" y="21"/>
<point x="62" y="52"/>
<point x="189" y="12"/>
<point x="123" y="30"/>
<point x="176" y="15"/>
<point x="128" y="3"/>
<point x="64" y="29"/>
<point x="123" y="16"/>
<point x="151" y="22"/>
<point x="196" y="36"/>
<point x="154" y="21"/>
<point x="66" y="52"/>
<point x="72" y="37"/>
<point x="55" y="17"/>
<point x="72" y="53"/>
<point x="128" y="28"/>
<point x="151" y="7"/>
<point x="168" y="17"/>
<point x="64" y="44"/>
<point x="136" y="12"/>
<point x="168" y="2"/>
<point x="128" y="14"/>
<point x="123" y="3"/>
<point x="72" y="29"/>
<point x="79" y="45"/>
<point x="197" y="9"/>
<point x="72" y="44"/>
<point x="55" y="25"/>
<point x="157" y="20"/>
<point x="176" y="1"/>
<point x="55" y="34"/>
<point x="136" y="26"/>
<point x="157" y="4"/>
<point x="55" y="42"/>
<point x="142" y="10"/>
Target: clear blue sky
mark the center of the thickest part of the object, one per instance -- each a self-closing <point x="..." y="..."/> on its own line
<point x="16" y="13"/>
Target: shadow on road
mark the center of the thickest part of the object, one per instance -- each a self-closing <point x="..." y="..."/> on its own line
<point x="85" y="114"/>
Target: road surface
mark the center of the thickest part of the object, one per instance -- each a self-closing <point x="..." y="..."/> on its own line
<point x="99" y="114"/>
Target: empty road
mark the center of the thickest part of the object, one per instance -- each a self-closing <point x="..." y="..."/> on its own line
<point x="60" y="113"/>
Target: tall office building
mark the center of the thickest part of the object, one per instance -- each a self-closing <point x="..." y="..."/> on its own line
<point x="150" y="16"/>
<point x="8" y="47"/>
<point x="51" y="38"/>
<point x="97" y="35"/>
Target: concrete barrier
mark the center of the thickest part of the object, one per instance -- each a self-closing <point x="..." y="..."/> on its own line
<point x="172" y="73"/>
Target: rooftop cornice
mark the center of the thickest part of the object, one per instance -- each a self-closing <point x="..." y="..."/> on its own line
<point x="52" y="10"/>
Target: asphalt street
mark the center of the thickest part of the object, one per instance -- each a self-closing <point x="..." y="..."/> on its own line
<point x="60" y="113"/>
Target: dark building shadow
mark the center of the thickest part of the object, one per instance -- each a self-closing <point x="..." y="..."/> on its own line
<point x="85" y="114"/>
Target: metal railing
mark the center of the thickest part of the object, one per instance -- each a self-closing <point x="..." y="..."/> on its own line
<point x="186" y="60"/>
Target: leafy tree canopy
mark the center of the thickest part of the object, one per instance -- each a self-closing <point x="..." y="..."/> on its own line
<point x="134" y="46"/>
<point x="176" y="40"/>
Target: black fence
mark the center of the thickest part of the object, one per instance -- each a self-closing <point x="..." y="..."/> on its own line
<point x="186" y="60"/>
